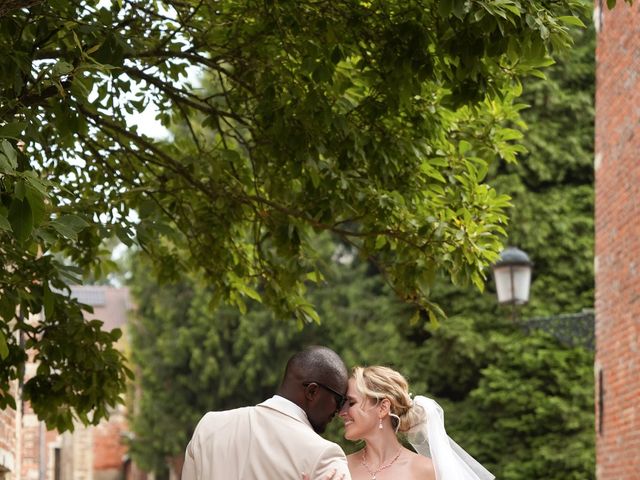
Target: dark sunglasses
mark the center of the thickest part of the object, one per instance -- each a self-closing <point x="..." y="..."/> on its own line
<point x="340" y="398"/>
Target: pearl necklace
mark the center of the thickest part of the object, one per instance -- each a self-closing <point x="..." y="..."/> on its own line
<point x="373" y="473"/>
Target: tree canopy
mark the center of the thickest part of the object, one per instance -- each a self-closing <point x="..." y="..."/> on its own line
<point x="531" y="395"/>
<point x="520" y="403"/>
<point x="375" y="121"/>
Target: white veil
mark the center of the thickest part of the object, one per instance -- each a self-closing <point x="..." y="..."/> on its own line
<point x="430" y="439"/>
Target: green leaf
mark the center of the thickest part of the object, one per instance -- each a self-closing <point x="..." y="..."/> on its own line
<point x="445" y="7"/>
<point x="538" y="74"/>
<point x="73" y="223"/>
<point x="431" y="172"/>
<point x="21" y="219"/>
<point x="248" y="291"/>
<point x="230" y="156"/>
<point x="415" y="318"/>
<point x="70" y="277"/>
<point x="69" y="226"/>
<point x="123" y="235"/>
<point x="37" y="204"/>
<point x="513" y="9"/>
<point x="48" y="301"/>
<point x="164" y="229"/>
<point x="4" y="348"/>
<point x="20" y="190"/>
<point x="36" y="183"/>
<point x="8" y="307"/>
<point x="64" y="230"/>
<point x="10" y="153"/>
<point x="309" y="313"/>
<point x="62" y="68"/>
<point x="463" y="147"/>
<point x="4" y="224"/>
<point x="315" y="276"/>
<point x="12" y="130"/>
<point x="571" y="20"/>
<point x="46" y="235"/>
<point x="5" y="164"/>
<point x="434" y="324"/>
<point x="459" y="7"/>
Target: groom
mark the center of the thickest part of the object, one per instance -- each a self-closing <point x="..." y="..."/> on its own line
<point x="277" y="439"/>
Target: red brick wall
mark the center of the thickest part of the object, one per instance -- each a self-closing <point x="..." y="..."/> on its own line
<point x="617" y="167"/>
<point x="7" y="429"/>
<point x="109" y="449"/>
<point x="7" y="439"/>
<point x="31" y="431"/>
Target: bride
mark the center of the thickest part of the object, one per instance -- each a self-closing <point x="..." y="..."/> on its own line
<point x="378" y="408"/>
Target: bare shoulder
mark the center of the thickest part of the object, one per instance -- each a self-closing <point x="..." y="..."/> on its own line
<point x="421" y="467"/>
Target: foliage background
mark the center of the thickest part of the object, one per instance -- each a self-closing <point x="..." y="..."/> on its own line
<point x="374" y="121"/>
<point x="521" y="403"/>
<point x="389" y="149"/>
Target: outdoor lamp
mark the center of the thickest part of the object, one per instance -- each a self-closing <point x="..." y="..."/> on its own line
<point x="512" y="275"/>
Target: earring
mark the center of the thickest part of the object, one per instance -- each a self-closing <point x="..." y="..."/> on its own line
<point x="380" y="424"/>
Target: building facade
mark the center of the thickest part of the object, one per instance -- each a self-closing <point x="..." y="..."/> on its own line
<point x="617" y="262"/>
<point x="29" y="452"/>
<point x="8" y="435"/>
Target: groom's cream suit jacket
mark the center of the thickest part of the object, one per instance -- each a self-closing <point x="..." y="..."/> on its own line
<point x="270" y="441"/>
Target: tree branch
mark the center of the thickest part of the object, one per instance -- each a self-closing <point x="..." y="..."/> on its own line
<point x="181" y="96"/>
<point x="8" y="6"/>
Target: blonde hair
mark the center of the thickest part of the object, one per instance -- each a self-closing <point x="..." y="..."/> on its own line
<point x="378" y="382"/>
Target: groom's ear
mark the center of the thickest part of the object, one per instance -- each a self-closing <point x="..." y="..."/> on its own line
<point x="310" y="391"/>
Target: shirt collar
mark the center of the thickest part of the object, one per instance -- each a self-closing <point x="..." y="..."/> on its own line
<point x="287" y="407"/>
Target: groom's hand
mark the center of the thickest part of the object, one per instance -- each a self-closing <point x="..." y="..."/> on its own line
<point x="329" y="476"/>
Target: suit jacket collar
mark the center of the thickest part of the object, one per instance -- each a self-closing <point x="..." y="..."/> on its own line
<point x="287" y="407"/>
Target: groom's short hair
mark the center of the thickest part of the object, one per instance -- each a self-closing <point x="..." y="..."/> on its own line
<point x="321" y="363"/>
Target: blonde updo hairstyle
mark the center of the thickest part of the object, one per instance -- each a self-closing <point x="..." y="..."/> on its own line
<point x="377" y="383"/>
